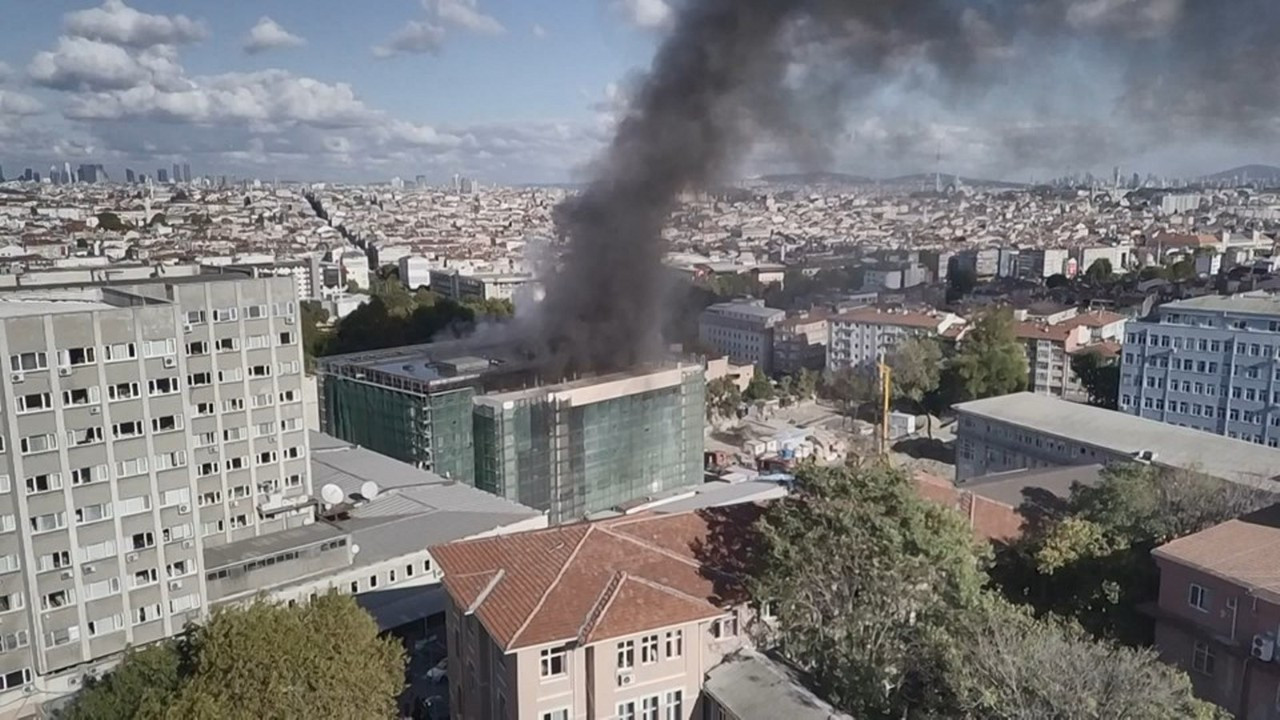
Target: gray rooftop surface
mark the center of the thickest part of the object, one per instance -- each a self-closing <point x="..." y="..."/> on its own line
<point x="21" y="308"/>
<point x="1014" y="488"/>
<point x="1215" y="455"/>
<point x="743" y="308"/>
<point x="1254" y="303"/>
<point x="240" y="551"/>
<point x="753" y="686"/>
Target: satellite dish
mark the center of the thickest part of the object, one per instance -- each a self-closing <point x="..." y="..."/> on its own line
<point x="369" y="489"/>
<point x="332" y="494"/>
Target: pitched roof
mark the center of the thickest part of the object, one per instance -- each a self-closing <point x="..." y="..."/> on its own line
<point x="1242" y="551"/>
<point x="875" y="316"/>
<point x="594" y="581"/>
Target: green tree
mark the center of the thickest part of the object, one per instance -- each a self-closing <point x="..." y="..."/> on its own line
<point x="806" y="384"/>
<point x="989" y="361"/>
<point x="1183" y="270"/>
<point x="1100" y="272"/>
<point x="498" y="308"/>
<point x="760" y="388"/>
<point x="314" y="337"/>
<point x="851" y="388"/>
<point x="866" y="578"/>
<point x="1007" y="665"/>
<point x="1089" y="560"/>
<point x="1099" y="376"/>
<point x="916" y="367"/>
<point x="1056" y="280"/>
<point x="320" y="660"/>
<point x="723" y="398"/>
<point x="141" y="686"/>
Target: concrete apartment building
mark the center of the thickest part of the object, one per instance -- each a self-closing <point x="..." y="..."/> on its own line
<point x="612" y="619"/>
<point x="859" y="337"/>
<point x="144" y="427"/>
<point x="800" y="342"/>
<point x="1051" y="344"/>
<point x="742" y="330"/>
<point x="1026" y="431"/>
<point x="459" y="287"/>
<point x="1208" y="363"/>
<point x="1218" y="612"/>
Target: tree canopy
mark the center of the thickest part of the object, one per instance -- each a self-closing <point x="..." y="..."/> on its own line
<point x="723" y="398"/>
<point x="760" y="388"/>
<point x="1099" y="272"/>
<point x="989" y="360"/>
<point x="321" y="660"/>
<point x="1099" y="376"/>
<point x="917" y="368"/>
<point x="881" y="596"/>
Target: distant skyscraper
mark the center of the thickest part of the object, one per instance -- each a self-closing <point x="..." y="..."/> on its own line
<point x="26" y="175"/>
<point x="88" y="173"/>
<point x="128" y="176"/>
<point x="177" y="173"/>
<point x="1" y="173"/>
<point x="186" y="173"/>
<point x="162" y="175"/>
<point x="53" y="175"/>
<point x="35" y="177"/>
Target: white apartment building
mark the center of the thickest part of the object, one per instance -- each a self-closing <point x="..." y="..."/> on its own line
<point x="415" y="272"/>
<point x="741" y="330"/>
<point x="143" y="426"/>
<point x="859" y="337"/>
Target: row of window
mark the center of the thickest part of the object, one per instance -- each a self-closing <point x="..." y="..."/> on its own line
<point x="673" y="646"/>
<point x="667" y="706"/>
<point x="248" y="312"/>
<point x="197" y="348"/>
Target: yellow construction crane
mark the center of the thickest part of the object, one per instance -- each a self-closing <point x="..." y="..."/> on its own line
<point x="886" y="387"/>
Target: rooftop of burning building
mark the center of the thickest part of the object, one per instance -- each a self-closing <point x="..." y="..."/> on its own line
<point x="428" y="363"/>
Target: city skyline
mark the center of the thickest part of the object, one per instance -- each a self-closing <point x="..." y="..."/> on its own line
<point x="528" y="93"/>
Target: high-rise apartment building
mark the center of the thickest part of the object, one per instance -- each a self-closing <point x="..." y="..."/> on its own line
<point x="186" y="172"/>
<point x="1208" y="363"/>
<point x="143" y="427"/>
<point x="860" y="337"/>
<point x="162" y="175"/>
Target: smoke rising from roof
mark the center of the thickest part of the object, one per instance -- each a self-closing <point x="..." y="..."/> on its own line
<point x="732" y="72"/>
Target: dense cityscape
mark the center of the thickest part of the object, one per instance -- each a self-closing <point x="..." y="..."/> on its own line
<point x="673" y="440"/>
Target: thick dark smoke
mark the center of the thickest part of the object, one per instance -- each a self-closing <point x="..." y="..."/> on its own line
<point x="734" y="71"/>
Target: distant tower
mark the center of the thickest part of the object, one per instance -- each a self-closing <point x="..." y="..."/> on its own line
<point x="937" y="171"/>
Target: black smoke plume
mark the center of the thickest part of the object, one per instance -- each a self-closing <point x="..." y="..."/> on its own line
<point x="734" y="71"/>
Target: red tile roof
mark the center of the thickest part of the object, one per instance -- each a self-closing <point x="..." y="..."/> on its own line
<point x="873" y="316"/>
<point x="594" y="581"/>
<point x="1241" y="551"/>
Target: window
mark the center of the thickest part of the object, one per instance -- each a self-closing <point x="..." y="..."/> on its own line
<point x="44" y="483"/>
<point x="12" y="641"/>
<point x="725" y="627"/>
<point x="75" y="357"/>
<point x="234" y="374"/>
<point x="175" y="533"/>
<point x="159" y="348"/>
<point x="175" y="459"/>
<point x="673" y="702"/>
<point x="109" y="624"/>
<point x="130" y="468"/>
<point x="204" y="409"/>
<point x="649" y="649"/>
<point x="257" y="342"/>
<point x="230" y="344"/>
<point x="292" y="453"/>
<point x="626" y="654"/>
<point x="373" y="583"/>
<point x="1198" y="597"/>
<point x="119" y="352"/>
<point x="675" y="643"/>
<point x="80" y="396"/>
<point x="266" y="458"/>
<point x="233" y="405"/>
<point x="127" y="429"/>
<point x="627" y="710"/>
<point x="561" y="714"/>
<point x="282" y="309"/>
<point x="286" y="338"/>
<point x="198" y="347"/>
<point x="186" y="602"/>
<point x="34" y="402"/>
<point x="233" y="434"/>
<point x="207" y="469"/>
<point x="146" y="614"/>
<point x="239" y="521"/>
<point x="552" y="661"/>
<point x="9" y="563"/>
<point x="211" y="528"/>
<point x="134" y="505"/>
<point x="195" y="317"/>
<point x="266" y="428"/>
<point x="262" y="400"/>
<point x="179" y="568"/>
<point x="142" y="540"/>
<point x="162" y="386"/>
<point x="293" y="481"/>
<point x="288" y="396"/>
<point x="166" y="423"/>
<point x="124" y="391"/>
<point x="96" y="551"/>
<point x="649" y="708"/>
<point x="17" y="678"/>
<point x="288" y="367"/>
<point x="239" y="491"/>
<point x="57" y="599"/>
<point x="180" y="496"/>
<point x="1202" y="658"/>
<point x="54" y="638"/>
<point x="224" y="314"/>
<point x="200" y="379"/>
<point x="213" y="497"/>
<point x="102" y="588"/>
<point x="32" y="444"/>
<point x="93" y="513"/>
<point x="260" y="371"/>
<point x="28" y="361"/>
<point x="255" y="312"/>
<point x="54" y="561"/>
<point x="48" y="523"/>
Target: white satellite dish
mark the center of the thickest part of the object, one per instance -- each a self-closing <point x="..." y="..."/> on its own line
<point x="332" y="494"/>
<point x="369" y="489"/>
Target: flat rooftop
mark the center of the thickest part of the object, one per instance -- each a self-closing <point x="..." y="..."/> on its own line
<point x="1123" y="434"/>
<point x="754" y="686"/>
<point x="11" y="305"/>
<point x="1252" y="303"/>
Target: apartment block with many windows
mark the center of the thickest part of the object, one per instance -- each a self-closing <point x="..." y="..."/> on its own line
<point x="142" y="425"/>
<point x="1210" y="363"/>
<point x="858" y="338"/>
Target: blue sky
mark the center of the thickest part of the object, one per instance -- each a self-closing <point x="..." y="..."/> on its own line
<point x="528" y="91"/>
<point x="516" y="90"/>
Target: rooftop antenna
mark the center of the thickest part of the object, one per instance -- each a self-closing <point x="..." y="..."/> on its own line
<point x="369" y="489"/>
<point x="332" y="494"/>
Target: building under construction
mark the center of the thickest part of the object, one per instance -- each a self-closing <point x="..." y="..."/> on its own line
<point x="479" y="413"/>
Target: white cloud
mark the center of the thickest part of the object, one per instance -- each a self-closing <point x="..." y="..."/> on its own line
<point x="465" y="14"/>
<point x="120" y="24"/>
<point x="78" y="63"/>
<point x="648" y="14"/>
<point x="16" y="104"/>
<point x="6" y="72"/>
<point x="269" y="35"/>
<point x="414" y="37"/>
<point x="538" y="31"/>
